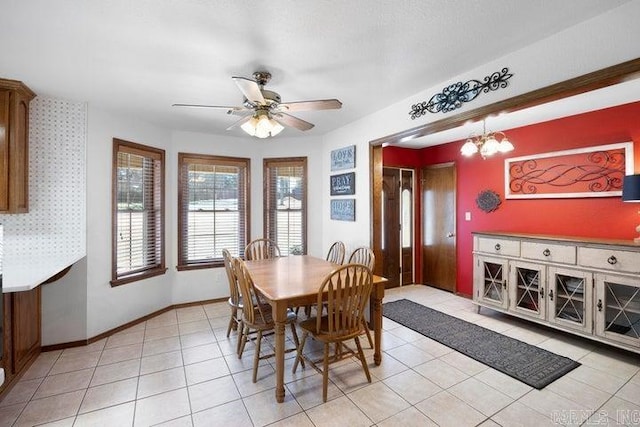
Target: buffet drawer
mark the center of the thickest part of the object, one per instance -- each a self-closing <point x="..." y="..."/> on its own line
<point x="565" y="254"/>
<point x="607" y="259"/>
<point x="498" y="246"/>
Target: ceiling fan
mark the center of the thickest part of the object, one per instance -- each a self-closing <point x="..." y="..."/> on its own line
<point x="263" y="113"/>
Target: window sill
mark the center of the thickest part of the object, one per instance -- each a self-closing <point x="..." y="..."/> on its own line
<point x="199" y="266"/>
<point x="138" y="276"/>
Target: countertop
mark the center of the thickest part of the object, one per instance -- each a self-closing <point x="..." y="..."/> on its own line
<point x="29" y="273"/>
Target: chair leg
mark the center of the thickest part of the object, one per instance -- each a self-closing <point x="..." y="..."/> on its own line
<point x="256" y="357"/>
<point x="362" y="359"/>
<point x="299" y="352"/>
<point x="243" y="341"/>
<point x="240" y="335"/>
<point x="325" y="372"/>
<point x="296" y="341"/>
<point x="231" y="321"/>
<point x="366" y="329"/>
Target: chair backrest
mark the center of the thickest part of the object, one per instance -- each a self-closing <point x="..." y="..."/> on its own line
<point x="251" y="313"/>
<point x="336" y="253"/>
<point x="347" y="291"/>
<point x="230" y="268"/>
<point x="261" y="249"/>
<point x="363" y="256"/>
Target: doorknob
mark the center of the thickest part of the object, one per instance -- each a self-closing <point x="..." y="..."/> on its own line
<point x="450" y="234"/>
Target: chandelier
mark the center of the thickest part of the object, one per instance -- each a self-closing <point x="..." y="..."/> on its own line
<point x="262" y="125"/>
<point x="487" y="144"/>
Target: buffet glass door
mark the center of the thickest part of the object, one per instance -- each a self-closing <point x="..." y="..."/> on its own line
<point x="618" y="308"/>
<point x="569" y="298"/>
<point x="527" y="287"/>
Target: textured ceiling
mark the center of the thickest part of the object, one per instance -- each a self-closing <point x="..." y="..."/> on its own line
<point x="138" y="57"/>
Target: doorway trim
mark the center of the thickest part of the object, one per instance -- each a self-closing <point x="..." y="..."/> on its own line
<point x="587" y="82"/>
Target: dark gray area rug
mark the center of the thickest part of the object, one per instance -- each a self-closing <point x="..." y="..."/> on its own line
<point x="531" y="365"/>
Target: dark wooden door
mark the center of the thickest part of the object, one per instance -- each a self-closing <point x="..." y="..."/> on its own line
<point x="391" y="226"/>
<point x="439" y="226"/>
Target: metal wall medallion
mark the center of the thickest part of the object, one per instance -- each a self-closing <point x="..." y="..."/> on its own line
<point x="488" y="200"/>
<point x="454" y="95"/>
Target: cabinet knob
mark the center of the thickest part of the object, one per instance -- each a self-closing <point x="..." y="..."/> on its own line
<point x="504" y="284"/>
<point x="599" y="305"/>
<point x="546" y="252"/>
<point x="497" y="246"/>
<point x="612" y="260"/>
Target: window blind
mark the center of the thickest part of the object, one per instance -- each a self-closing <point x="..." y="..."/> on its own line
<point x="138" y="210"/>
<point x="286" y="203"/>
<point x="213" y="208"/>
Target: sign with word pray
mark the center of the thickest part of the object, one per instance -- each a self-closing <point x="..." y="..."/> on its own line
<point x="343" y="184"/>
<point x="343" y="158"/>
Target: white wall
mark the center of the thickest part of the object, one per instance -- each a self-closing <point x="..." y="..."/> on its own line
<point x="603" y="41"/>
<point x="109" y="307"/>
<point x="64" y="307"/>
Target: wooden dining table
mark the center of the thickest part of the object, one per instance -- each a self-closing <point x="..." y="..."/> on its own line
<point x="294" y="281"/>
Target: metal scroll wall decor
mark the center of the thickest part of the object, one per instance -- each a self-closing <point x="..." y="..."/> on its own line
<point x="584" y="172"/>
<point x="452" y="96"/>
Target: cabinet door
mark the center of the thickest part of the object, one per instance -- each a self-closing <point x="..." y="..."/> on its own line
<point x="490" y="281"/>
<point x="569" y="296"/>
<point x="618" y="308"/>
<point x="26" y="326"/>
<point x="526" y="289"/>
<point x="4" y="149"/>
<point x="19" y="155"/>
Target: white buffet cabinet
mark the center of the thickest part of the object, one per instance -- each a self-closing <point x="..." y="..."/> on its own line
<point x="590" y="287"/>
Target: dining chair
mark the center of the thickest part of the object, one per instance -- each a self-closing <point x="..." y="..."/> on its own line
<point x="235" y="299"/>
<point x="364" y="256"/>
<point x="336" y="256"/>
<point x="258" y="317"/>
<point x="336" y="253"/>
<point x="345" y="292"/>
<point x="261" y="249"/>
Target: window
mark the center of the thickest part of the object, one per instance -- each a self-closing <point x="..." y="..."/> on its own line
<point x="138" y="212"/>
<point x="285" y="222"/>
<point x="213" y="209"/>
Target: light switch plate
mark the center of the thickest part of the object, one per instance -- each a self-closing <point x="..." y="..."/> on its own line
<point x="467" y="216"/>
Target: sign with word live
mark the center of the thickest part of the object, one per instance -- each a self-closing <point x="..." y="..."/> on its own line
<point x="343" y="184"/>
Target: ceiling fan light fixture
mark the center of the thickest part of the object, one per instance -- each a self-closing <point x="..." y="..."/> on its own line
<point x="261" y="125"/>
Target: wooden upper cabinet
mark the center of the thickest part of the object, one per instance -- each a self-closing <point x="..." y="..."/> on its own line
<point x="14" y="146"/>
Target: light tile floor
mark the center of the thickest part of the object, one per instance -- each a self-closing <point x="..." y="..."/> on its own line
<point x="179" y="369"/>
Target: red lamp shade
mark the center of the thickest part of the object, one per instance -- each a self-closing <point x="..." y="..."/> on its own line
<point x="631" y="188"/>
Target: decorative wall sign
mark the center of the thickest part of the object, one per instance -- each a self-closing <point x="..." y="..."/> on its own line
<point x="488" y="201"/>
<point x="343" y="184"/>
<point x="343" y="209"/>
<point x="343" y="158"/>
<point x="584" y="172"/>
<point x="452" y="96"/>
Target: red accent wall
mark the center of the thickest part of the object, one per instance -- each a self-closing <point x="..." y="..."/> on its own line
<point x="606" y="217"/>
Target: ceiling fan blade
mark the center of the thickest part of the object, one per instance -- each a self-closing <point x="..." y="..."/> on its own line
<point x="291" y="121"/>
<point x="230" y="110"/>
<point x="239" y="122"/>
<point x="250" y="90"/>
<point x="321" y="104"/>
